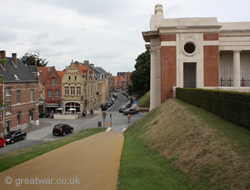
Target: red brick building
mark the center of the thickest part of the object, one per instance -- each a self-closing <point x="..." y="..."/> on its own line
<point x="51" y="92"/>
<point x="19" y="90"/>
<point x="196" y="53"/>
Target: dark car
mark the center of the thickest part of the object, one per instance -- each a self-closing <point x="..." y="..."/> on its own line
<point x="130" y="111"/>
<point x="43" y="115"/>
<point x="2" y="142"/>
<point x="62" y="129"/>
<point x="14" y="136"/>
<point x="104" y="107"/>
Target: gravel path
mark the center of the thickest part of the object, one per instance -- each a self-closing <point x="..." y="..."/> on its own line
<point x="88" y="164"/>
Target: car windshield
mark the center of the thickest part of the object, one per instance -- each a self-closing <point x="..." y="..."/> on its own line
<point x="10" y="133"/>
<point x="58" y="126"/>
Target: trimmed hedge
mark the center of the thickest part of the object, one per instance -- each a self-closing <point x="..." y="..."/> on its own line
<point x="231" y="106"/>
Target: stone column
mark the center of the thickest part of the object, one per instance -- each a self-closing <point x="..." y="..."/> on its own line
<point x="236" y="66"/>
<point x="153" y="81"/>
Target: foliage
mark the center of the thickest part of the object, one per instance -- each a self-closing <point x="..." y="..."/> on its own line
<point x="3" y="61"/>
<point x="33" y="58"/>
<point x="231" y="106"/>
<point x="140" y="78"/>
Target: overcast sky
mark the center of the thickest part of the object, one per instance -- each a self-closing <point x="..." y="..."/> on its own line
<point x="107" y="33"/>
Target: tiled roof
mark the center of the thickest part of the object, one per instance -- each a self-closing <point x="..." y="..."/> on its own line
<point x="60" y="73"/>
<point x="16" y="73"/>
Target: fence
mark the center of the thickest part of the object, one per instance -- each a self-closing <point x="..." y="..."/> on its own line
<point x="229" y="82"/>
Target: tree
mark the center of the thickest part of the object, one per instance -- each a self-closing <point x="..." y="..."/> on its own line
<point x="140" y="78"/>
<point x="33" y="58"/>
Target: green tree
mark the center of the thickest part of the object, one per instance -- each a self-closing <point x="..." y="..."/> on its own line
<point x="33" y="58"/>
<point x="140" y="78"/>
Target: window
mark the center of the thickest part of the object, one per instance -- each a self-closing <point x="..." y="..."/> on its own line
<point x="78" y="91"/>
<point x="66" y="90"/>
<point x="75" y="77"/>
<point x="72" y="89"/>
<point x="69" y="78"/>
<point x="189" y="47"/>
<point x="8" y="106"/>
<point x="57" y="93"/>
<point x="41" y="95"/>
<point x="53" y="81"/>
<point x="7" y="91"/>
<point x="18" y="118"/>
<point x="31" y="95"/>
<point x="49" y="93"/>
<point x="31" y="113"/>
<point x="8" y="126"/>
<point x="18" y="96"/>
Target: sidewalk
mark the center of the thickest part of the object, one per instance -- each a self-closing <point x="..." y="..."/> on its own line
<point x="88" y="164"/>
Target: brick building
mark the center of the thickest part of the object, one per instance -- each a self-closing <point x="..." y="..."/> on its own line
<point x="19" y="90"/>
<point x="50" y="91"/>
<point x="196" y="53"/>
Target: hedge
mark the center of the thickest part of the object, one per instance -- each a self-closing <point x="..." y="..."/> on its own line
<point x="231" y="106"/>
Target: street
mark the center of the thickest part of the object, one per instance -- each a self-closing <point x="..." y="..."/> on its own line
<point x="43" y="132"/>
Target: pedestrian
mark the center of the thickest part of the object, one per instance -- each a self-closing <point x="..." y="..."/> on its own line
<point x="129" y="116"/>
<point x="83" y="114"/>
<point x="91" y="111"/>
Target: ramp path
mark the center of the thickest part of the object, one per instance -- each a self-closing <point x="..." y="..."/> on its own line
<point x="88" y="164"/>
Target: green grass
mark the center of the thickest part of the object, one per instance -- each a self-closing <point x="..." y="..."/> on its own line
<point x="144" y="101"/>
<point x="146" y="165"/>
<point x="11" y="159"/>
<point x="144" y="169"/>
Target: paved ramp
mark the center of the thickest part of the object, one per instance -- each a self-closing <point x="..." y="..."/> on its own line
<point x="88" y="164"/>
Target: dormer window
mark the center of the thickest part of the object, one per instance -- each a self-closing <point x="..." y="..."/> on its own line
<point x="16" y="77"/>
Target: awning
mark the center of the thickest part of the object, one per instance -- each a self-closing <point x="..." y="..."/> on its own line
<point x="41" y="103"/>
<point x="52" y="105"/>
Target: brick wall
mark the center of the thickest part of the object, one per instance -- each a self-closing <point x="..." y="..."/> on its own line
<point x="168" y="69"/>
<point x="211" y="61"/>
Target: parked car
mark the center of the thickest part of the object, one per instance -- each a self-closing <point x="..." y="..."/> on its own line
<point x="14" y="136"/>
<point x="2" y="142"/>
<point x="121" y="110"/>
<point x="130" y="111"/>
<point x="104" y="107"/>
<point x="43" y="115"/>
<point x="62" y="129"/>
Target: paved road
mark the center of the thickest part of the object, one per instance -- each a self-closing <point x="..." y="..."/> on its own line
<point x="90" y="164"/>
<point x="43" y="133"/>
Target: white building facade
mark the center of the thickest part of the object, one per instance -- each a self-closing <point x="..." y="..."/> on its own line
<point x="196" y="53"/>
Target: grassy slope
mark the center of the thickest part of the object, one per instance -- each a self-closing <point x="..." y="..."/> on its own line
<point x="11" y="159"/>
<point x="144" y="101"/>
<point x="202" y="150"/>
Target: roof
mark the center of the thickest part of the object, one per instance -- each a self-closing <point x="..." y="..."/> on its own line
<point x="60" y="73"/>
<point x="16" y="73"/>
<point x="83" y="69"/>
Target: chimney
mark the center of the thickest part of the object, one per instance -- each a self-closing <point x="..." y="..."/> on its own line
<point x="14" y="60"/>
<point x="3" y="56"/>
<point x="86" y="62"/>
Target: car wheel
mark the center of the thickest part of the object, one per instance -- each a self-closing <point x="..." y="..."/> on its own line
<point x="24" y="137"/>
<point x="12" y="141"/>
<point x="4" y="144"/>
<point x="64" y="134"/>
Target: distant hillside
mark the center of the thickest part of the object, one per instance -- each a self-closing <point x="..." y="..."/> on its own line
<point x="201" y="147"/>
<point x="144" y="101"/>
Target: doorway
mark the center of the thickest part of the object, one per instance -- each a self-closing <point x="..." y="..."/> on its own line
<point x="189" y="75"/>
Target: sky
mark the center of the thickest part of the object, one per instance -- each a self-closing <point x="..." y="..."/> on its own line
<point x="107" y="33"/>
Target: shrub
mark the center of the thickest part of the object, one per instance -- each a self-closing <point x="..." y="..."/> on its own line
<point x="231" y="106"/>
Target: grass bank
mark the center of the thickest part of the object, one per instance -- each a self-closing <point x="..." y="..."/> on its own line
<point x="11" y="159"/>
<point x="179" y="146"/>
<point x="144" y="101"/>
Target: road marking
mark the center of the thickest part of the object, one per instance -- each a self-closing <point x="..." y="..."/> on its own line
<point x="39" y="139"/>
